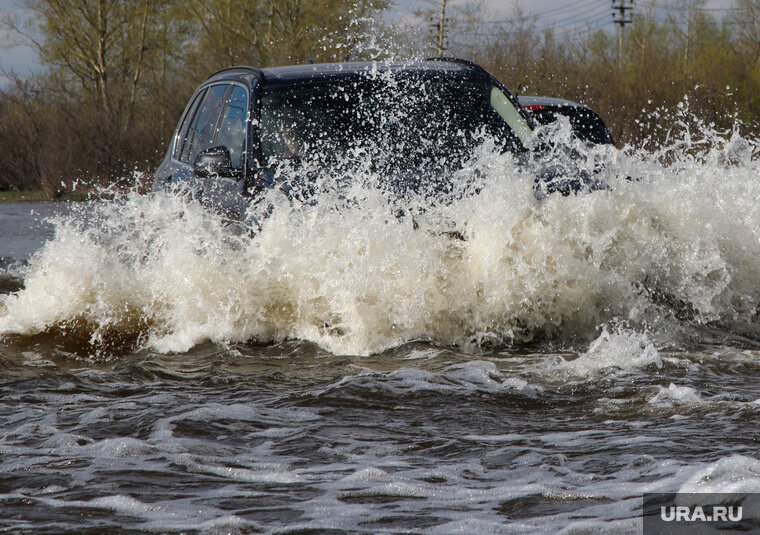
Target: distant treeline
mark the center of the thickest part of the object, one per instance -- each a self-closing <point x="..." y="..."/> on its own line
<point x="119" y="72"/>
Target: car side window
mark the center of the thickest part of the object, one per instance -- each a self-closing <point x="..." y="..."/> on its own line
<point x="232" y="126"/>
<point x="182" y="131"/>
<point x="203" y="130"/>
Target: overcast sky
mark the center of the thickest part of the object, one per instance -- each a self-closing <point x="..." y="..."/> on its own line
<point x="562" y="14"/>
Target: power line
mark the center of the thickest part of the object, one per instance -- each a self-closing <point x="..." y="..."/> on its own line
<point x="697" y="8"/>
<point x="559" y="10"/>
<point x="601" y="21"/>
<point x="566" y="33"/>
<point x="622" y="6"/>
<point x="663" y="20"/>
<point x="593" y="18"/>
<point x="589" y="14"/>
<point x="595" y="23"/>
<point x="551" y="13"/>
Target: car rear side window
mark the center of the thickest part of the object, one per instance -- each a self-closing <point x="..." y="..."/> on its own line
<point x="182" y="132"/>
<point x="203" y="129"/>
<point x="232" y="126"/>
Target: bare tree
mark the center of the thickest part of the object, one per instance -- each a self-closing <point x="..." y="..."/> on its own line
<point x="104" y="44"/>
<point x="746" y="18"/>
<point x="684" y="17"/>
<point x="273" y="32"/>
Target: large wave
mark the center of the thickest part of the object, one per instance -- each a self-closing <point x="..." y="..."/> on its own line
<point x="669" y="245"/>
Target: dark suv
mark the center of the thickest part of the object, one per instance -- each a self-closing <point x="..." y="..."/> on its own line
<point x="409" y="122"/>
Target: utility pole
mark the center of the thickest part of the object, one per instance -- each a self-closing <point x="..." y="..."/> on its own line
<point x="621" y="19"/>
<point x="441" y="28"/>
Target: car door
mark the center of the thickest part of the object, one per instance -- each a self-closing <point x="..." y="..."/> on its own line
<point x="171" y="172"/>
<point x="226" y="192"/>
<point x="196" y="133"/>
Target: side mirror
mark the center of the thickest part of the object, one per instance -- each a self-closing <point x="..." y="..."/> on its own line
<point x="215" y="161"/>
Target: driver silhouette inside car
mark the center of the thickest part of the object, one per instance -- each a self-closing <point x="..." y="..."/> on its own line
<point x="293" y="147"/>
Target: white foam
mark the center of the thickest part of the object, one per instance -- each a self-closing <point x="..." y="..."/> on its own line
<point x="368" y="475"/>
<point x="681" y="240"/>
<point x="737" y="474"/>
<point x="615" y="349"/>
<point x="123" y="504"/>
<point x="676" y="395"/>
<point x="245" y="474"/>
<point x="227" y="525"/>
<point x="472" y="376"/>
<point x="124" y="447"/>
<point x="157" y="517"/>
<point x="471" y="525"/>
<point x="596" y="527"/>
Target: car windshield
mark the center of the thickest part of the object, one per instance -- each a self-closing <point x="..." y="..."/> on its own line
<point x="396" y="122"/>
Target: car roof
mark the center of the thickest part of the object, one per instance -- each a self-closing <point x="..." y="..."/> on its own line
<point x="323" y="72"/>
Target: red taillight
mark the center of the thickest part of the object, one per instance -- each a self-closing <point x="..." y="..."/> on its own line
<point x="534" y="107"/>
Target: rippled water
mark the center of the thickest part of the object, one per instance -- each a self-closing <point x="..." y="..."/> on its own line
<point x="263" y="438"/>
<point x="344" y="371"/>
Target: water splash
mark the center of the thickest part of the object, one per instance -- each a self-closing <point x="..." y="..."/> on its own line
<point x="660" y="246"/>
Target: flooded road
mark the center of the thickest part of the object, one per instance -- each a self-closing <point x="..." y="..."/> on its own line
<point x="160" y="375"/>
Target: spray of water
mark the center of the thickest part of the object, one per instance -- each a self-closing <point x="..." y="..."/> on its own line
<point x="665" y="245"/>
